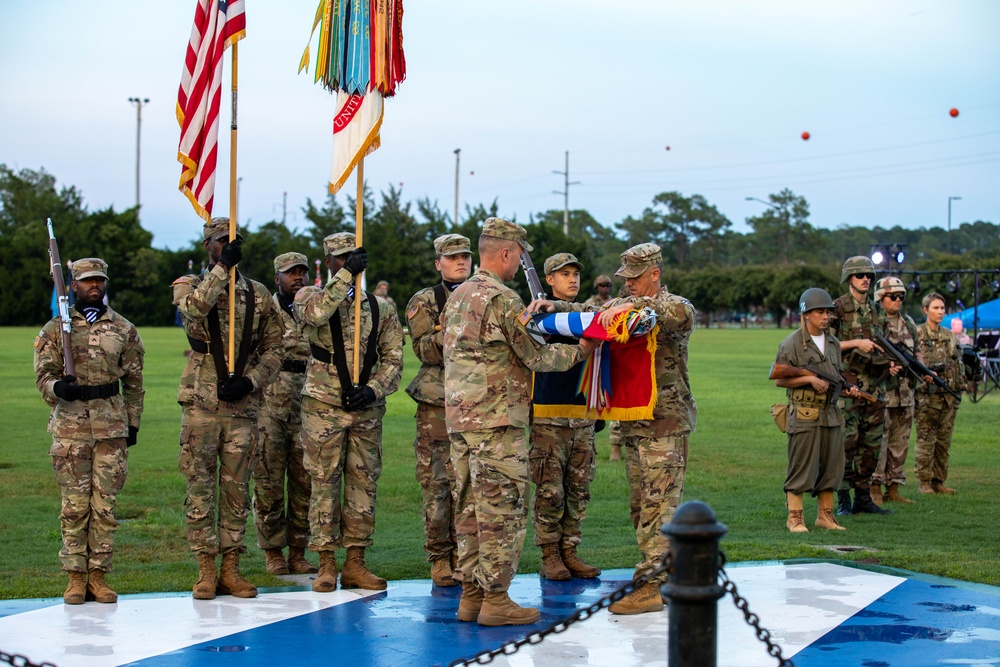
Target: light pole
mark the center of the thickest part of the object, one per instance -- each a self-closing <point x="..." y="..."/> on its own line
<point x="138" y="102"/>
<point x="950" y="199"/>
<point x="457" y="151"/>
<point x="565" y="193"/>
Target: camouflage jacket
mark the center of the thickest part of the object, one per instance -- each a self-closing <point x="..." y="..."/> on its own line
<point x="942" y="355"/>
<point x="283" y="397"/>
<point x="799" y="350"/>
<point x="194" y="297"/>
<point x="424" y="320"/>
<point x="901" y="331"/>
<point x="314" y="306"/>
<point x="854" y="320"/>
<point x="595" y="300"/>
<point x="106" y="351"/>
<point x="488" y="354"/>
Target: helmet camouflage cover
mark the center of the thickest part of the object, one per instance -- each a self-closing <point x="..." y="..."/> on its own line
<point x="855" y="265"/>
<point x="889" y="285"/>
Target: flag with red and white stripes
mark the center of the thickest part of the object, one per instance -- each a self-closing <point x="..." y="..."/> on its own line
<point x="217" y="24"/>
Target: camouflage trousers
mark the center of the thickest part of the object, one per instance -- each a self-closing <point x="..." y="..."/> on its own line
<point x="563" y="462"/>
<point x="891" y="466"/>
<point x="217" y="456"/>
<point x="864" y="424"/>
<point x="90" y="474"/>
<point x="436" y="478"/>
<point x="491" y="496"/>
<point x="278" y="525"/>
<point x="935" y="423"/>
<point x="654" y="466"/>
<point x="343" y="456"/>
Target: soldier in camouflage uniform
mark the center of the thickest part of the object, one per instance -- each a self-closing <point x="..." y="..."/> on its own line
<point x="487" y="382"/>
<point x="453" y="259"/>
<point x="901" y="331"/>
<point x="856" y="320"/>
<point x="936" y="409"/>
<point x="279" y="526"/>
<point x="562" y="458"/>
<point x="219" y="418"/>
<point x="92" y="425"/>
<point x="341" y="419"/>
<point x="602" y="284"/>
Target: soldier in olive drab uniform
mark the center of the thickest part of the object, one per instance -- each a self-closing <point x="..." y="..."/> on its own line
<point x="219" y="418"/>
<point x="453" y="259"/>
<point x="561" y="456"/>
<point x="341" y="420"/>
<point x="901" y="331"/>
<point x="487" y="382"/>
<point x="856" y="320"/>
<point x="279" y="526"/>
<point x="936" y="409"/>
<point x="92" y="425"/>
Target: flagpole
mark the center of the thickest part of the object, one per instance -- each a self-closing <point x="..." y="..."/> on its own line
<point x="359" y="224"/>
<point x="232" y="218"/>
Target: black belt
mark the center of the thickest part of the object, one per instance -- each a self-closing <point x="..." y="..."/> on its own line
<point x="321" y="353"/>
<point x="89" y="393"/>
<point x="293" y="365"/>
<point x="199" y="346"/>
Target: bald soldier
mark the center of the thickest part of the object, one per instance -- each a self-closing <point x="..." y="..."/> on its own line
<point x="487" y="384"/>
<point x="95" y="419"/>
<point x="453" y="260"/>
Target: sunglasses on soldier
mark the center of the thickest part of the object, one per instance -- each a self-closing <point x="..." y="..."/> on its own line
<point x="895" y="297"/>
<point x="869" y="276"/>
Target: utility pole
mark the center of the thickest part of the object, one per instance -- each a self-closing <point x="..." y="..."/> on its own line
<point x="457" y="151"/>
<point x="950" y="199"/>
<point x="284" y="207"/>
<point x="565" y="193"/>
<point x="138" y="102"/>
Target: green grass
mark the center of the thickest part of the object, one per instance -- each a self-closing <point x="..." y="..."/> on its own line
<point x="737" y="464"/>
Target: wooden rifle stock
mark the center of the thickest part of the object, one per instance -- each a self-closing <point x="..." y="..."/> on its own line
<point x="62" y="298"/>
<point x="785" y="371"/>
<point x="534" y="284"/>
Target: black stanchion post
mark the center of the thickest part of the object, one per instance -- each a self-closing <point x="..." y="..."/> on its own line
<point x="693" y="589"/>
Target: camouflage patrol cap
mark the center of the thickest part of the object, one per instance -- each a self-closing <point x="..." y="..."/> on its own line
<point x="559" y="260"/>
<point x="219" y="227"/>
<point x="341" y="243"/>
<point x="90" y="267"/>
<point x="856" y="265"/>
<point x="602" y="279"/>
<point x="638" y="258"/>
<point x="505" y="229"/>
<point x="889" y="285"/>
<point x="452" y="244"/>
<point x="289" y="260"/>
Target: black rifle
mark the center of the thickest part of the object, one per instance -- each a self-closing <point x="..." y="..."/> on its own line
<point x="907" y="360"/>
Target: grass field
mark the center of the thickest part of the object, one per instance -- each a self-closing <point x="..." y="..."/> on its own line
<point x="737" y="465"/>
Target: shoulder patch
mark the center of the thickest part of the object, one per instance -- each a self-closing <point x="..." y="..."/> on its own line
<point x="524" y="317"/>
<point x="38" y="341"/>
<point x="411" y="312"/>
<point x="183" y="280"/>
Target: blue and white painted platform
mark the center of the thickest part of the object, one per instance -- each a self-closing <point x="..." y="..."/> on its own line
<point x="821" y="613"/>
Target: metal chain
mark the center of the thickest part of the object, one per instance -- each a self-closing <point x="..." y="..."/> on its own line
<point x="21" y="661"/>
<point x="763" y="634"/>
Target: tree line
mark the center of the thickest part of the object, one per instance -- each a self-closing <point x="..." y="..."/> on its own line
<point x="727" y="275"/>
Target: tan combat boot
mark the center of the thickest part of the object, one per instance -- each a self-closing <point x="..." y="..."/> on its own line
<point x="441" y="572"/>
<point x="616" y="453"/>
<point x="552" y="565"/>
<point x="795" y="523"/>
<point x="925" y="487"/>
<point x="893" y="495"/>
<point x="825" y="518"/>
<point x="876" y="492"/>
<point x="326" y="580"/>
<point x="297" y="563"/>
<point x="276" y="563"/>
<point x="576" y="566"/>
<point x="98" y="589"/>
<point x="204" y="589"/>
<point x="356" y="575"/>
<point x="499" y="609"/>
<point x="76" y="590"/>
<point x="471" y="602"/>
<point x="939" y="487"/>
<point x="231" y="582"/>
<point x="644" y="599"/>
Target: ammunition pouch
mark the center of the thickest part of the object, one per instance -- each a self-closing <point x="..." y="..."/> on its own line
<point x="807" y="398"/>
<point x="293" y="365"/>
<point x="92" y="392"/>
<point x="805" y="414"/>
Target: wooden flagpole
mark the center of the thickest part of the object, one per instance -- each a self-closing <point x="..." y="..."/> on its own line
<point x="232" y="218"/>
<point x="359" y="226"/>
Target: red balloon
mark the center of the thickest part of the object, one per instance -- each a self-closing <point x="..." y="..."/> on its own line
<point x="668" y="148"/>
<point x="805" y="136"/>
<point x="953" y="113"/>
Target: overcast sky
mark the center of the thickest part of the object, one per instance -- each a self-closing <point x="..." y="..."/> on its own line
<point x="728" y="86"/>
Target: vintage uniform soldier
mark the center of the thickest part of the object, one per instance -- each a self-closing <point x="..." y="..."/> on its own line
<point x="487" y="382"/>
<point x="453" y="259"/>
<point x="856" y="320"/>
<point x="561" y="456"/>
<point x="95" y="419"/>
<point x="341" y="420"/>
<point x="219" y="411"/>
<point x="901" y="331"/>
<point x="278" y="525"/>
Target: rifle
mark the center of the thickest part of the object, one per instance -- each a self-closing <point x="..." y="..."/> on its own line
<point x="837" y="383"/>
<point x="63" y="299"/>
<point x="534" y="284"/>
<point x="907" y="360"/>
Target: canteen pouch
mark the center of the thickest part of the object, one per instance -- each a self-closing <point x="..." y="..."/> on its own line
<point x="779" y="412"/>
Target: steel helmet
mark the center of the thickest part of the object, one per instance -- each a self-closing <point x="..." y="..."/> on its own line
<point x="814" y="298"/>
<point x="889" y="285"/>
<point x="853" y="265"/>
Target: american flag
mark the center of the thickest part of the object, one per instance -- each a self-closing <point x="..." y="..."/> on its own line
<point x="217" y="24"/>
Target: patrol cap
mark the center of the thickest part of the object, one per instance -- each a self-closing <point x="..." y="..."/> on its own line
<point x="452" y="244"/>
<point x="814" y="298"/>
<point x="505" y="229"/>
<point x="90" y="267"/>
<point x="889" y="285"/>
<point x="638" y="258"/>
<point x="219" y="227"/>
<point x="341" y="243"/>
<point x="559" y="260"/>
<point x="602" y="279"/>
<point x="289" y="260"/>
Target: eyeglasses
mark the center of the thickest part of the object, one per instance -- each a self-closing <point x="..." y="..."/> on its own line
<point x="869" y="276"/>
<point x="895" y="297"/>
<point x="603" y="285"/>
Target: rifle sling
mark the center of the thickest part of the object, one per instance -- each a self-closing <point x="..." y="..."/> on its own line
<point x="340" y="356"/>
<point x="247" y="345"/>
